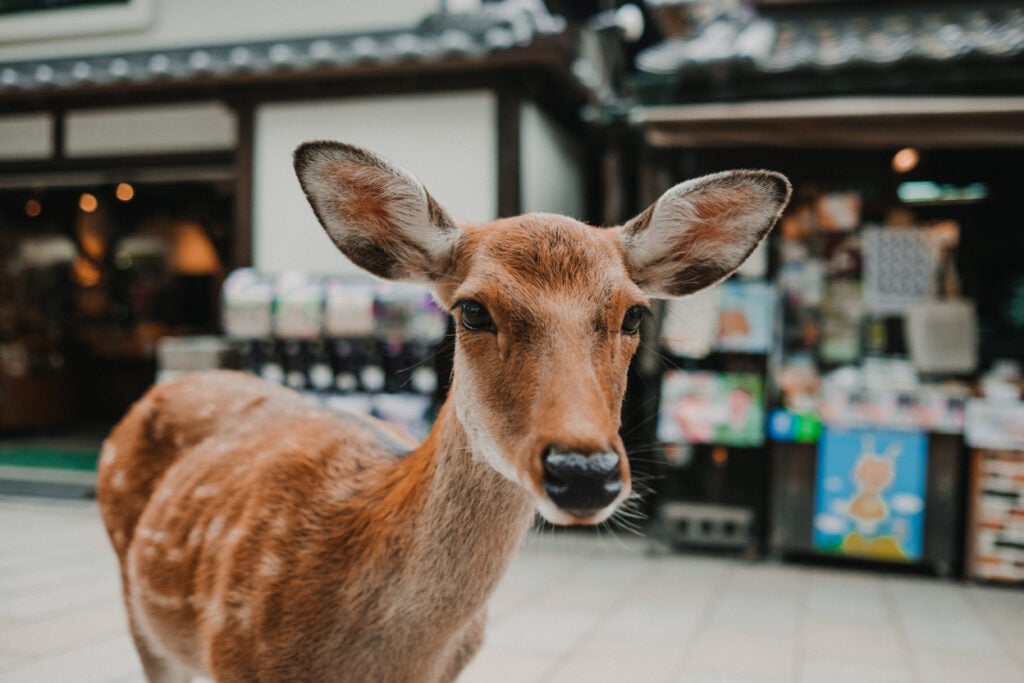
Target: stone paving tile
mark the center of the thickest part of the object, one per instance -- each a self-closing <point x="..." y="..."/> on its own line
<point x="573" y="607"/>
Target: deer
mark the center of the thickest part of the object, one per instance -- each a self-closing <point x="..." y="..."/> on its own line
<point x="262" y="538"/>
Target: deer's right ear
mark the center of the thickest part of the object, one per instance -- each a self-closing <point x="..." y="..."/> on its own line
<point x="378" y="215"/>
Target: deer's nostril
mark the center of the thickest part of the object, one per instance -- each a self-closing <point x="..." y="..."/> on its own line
<point x="579" y="482"/>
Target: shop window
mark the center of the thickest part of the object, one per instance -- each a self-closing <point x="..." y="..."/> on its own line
<point x="93" y="276"/>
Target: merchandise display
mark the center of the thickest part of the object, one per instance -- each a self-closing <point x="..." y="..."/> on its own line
<point x="353" y="344"/>
<point x="715" y="408"/>
<point x="745" y="317"/>
<point x="996" y="533"/>
<point x="787" y="425"/>
<point x="995" y="424"/>
<point x="876" y="349"/>
<point x="900" y="269"/>
<point x="690" y="324"/>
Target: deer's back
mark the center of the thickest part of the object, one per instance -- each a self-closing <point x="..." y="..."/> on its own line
<point x="214" y="489"/>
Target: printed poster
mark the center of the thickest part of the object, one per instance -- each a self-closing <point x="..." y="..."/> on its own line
<point x="746" y="311"/>
<point x="870" y="495"/>
<point x="709" y="407"/>
<point x="689" y="324"/>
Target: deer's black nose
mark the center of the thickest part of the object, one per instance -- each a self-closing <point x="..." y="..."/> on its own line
<point x="581" y="484"/>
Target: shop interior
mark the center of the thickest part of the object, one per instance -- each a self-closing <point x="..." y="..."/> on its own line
<point x="97" y="273"/>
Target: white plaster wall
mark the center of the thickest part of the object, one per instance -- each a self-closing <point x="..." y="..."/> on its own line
<point x="151" y="129"/>
<point x="25" y="137"/>
<point x="176" y="23"/>
<point x="550" y="179"/>
<point x="447" y="140"/>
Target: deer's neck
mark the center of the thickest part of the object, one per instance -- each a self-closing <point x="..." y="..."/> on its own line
<point x="470" y="519"/>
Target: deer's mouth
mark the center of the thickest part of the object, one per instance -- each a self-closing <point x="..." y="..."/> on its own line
<point x="577" y="517"/>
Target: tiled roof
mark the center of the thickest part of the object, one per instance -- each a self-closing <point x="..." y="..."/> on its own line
<point x="498" y="28"/>
<point x="846" y="39"/>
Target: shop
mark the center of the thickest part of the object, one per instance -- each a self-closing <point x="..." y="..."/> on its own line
<point x="882" y="321"/>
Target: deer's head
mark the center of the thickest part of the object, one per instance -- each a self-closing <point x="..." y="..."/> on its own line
<point x="548" y="309"/>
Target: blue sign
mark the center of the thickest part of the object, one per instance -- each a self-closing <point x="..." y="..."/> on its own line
<point x="870" y="495"/>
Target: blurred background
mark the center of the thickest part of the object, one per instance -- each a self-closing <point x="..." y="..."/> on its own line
<point x="852" y="396"/>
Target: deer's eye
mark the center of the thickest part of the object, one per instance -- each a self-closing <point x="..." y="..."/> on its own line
<point x="475" y="317"/>
<point x="634" y="317"/>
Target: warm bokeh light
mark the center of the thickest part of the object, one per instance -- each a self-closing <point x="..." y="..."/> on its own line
<point x="33" y="208"/>
<point x="85" y="272"/>
<point x="88" y="203"/>
<point x="193" y="253"/>
<point x="124" y="192"/>
<point x="92" y="240"/>
<point x="905" y="160"/>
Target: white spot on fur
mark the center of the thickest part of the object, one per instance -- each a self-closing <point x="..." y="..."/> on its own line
<point x="175" y="555"/>
<point x="215" y="529"/>
<point x="206" y="491"/>
<point x="215" y="615"/>
<point x="270" y="565"/>
<point x="108" y="454"/>
<point x="243" y="615"/>
<point x="119" y="481"/>
<point x="195" y="537"/>
<point x="160" y="600"/>
<point x="234" y="536"/>
<point x="279" y="527"/>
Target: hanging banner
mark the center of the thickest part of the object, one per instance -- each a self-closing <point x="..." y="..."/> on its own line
<point x="870" y="495"/>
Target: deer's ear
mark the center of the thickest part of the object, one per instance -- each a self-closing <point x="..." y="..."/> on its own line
<point x="700" y="231"/>
<point x="378" y="215"/>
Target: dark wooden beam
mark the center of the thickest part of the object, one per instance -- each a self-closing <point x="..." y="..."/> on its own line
<point x="241" y="250"/>
<point x="510" y="105"/>
<point x="876" y="122"/>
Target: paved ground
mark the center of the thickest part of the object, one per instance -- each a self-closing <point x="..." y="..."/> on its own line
<point x="573" y="608"/>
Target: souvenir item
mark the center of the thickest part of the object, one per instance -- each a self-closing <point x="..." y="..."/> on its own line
<point x="709" y="407"/>
<point x="900" y="269"/>
<point x="348" y="308"/>
<point x="248" y="301"/>
<point x="690" y="325"/>
<point x="995" y="424"/>
<point x="298" y="306"/>
<point x="745" y="317"/>
<point x="996" y="549"/>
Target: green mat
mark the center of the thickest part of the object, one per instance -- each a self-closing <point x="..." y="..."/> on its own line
<point x="78" y="459"/>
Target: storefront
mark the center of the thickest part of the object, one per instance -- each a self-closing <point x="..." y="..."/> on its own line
<point x="886" y="294"/>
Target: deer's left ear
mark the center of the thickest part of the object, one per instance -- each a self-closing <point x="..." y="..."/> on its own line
<point x="700" y="231"/>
